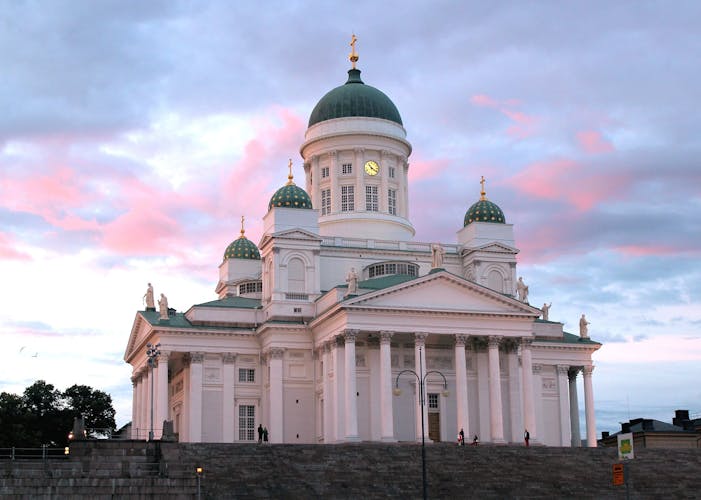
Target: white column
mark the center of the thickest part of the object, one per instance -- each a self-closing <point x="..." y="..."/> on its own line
<point x="564" y="397"/>
<point x="276" y="395"/>
<point x="161" y="394"/>
<point x="574" y="408"/>
<point x="339" y="387"/>
<point x="135" y="406"/>
<point x="351" y="387"/>
<point x="589" y="407"/>
<point x="483" y="393"/>
<point x="228" y="405"/>
<point x="529" y="418"/>
<point x="420" y="368"/>
<point x="386" y="412"/>
<point x="516" y="419"/>
<point x="463" y="414"/>
<point x="335" y="174"/>
<point x="145" y="405"/>
<point x="195" y="418"/>
<point x="328" y="394"/>
<point x="538" y="402"/>
<point x="496" y="418"/>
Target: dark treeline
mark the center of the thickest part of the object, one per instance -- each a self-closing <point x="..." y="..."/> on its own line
<point x="43" y="415"/>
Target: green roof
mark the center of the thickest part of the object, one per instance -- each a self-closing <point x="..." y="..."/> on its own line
<point x="569" y="338"/>
<point x="234" y="302"/>
<point x="484" y="211"/>
<point x="242" y="248"/>
<point x="290" y="196"/>
<point x="385" y="281"/>
<point x="177" y="320"/>
<point x="354" y="98"/>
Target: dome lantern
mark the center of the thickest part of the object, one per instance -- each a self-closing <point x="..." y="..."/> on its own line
<point x="290" y="195"/>
<point x="242" y="247"/>
<point x="484" y="210"/>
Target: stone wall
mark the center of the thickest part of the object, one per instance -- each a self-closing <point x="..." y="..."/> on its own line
<point x="134" y="469"/>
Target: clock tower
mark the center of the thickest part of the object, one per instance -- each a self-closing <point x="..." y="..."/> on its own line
<point x="356" y="162"/>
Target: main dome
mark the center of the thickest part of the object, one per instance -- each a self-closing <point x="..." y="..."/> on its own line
<point x="354" y="98"/>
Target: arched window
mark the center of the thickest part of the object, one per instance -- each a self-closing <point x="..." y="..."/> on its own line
<point x="295" y="276"/>
<point x="389" y="268"/>
<point x="495" y="281"/>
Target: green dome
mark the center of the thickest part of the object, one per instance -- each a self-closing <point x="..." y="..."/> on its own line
<point x="290" y="196"/>
<point x="484" y="211"/>
<point x="354" y="98"/>
<point x="242" y="248"/>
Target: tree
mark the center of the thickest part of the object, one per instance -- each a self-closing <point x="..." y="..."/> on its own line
<point x="13" y="422"/>
<point x="95" y="406"/>
<point x="44" y="415"/>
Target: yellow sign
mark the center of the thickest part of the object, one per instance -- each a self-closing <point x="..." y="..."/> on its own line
<point x="618" y="475"/>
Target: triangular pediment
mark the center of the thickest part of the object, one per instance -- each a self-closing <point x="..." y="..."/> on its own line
<point x="139" y="331"/>
<point x="291" y="234"/>
<point x="493" y="248"/>
<point x="442" y="291"/>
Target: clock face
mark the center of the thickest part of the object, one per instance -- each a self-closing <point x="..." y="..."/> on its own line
<point x="372" y="168"/>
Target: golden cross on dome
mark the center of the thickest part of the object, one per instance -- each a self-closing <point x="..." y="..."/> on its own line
<point x="482" y="193"/>
<point x="353" y="56"/>
<point x="242" y="229"/>
<point x="290" y="176"/>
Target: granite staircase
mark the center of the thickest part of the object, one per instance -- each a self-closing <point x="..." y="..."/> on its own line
<point x="139" y="470"/>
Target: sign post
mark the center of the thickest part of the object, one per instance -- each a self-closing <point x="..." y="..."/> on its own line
<point x="625" y="452"/>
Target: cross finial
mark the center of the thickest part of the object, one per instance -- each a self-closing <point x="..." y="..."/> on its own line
<point x="242" y="229"/>
<point x="482" y="192"/>
<point x="353" y="56"/>
<point x="290" y="176"/>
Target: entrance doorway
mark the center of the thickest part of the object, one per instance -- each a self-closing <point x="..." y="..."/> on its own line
<point x="434" y="418"/>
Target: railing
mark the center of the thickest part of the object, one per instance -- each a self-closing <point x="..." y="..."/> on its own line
<point x="43" y="453"/>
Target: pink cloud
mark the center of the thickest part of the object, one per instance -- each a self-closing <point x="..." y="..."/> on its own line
<point x="420" y="169"/>
<point x="568" y="181"/>
<point x="652" y="249"/>
<point x="8" y="250"/>
<point x="593" y="142"/>
<point x="523" y="125"/>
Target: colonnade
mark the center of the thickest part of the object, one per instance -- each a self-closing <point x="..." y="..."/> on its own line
<point x="340" y="410"/>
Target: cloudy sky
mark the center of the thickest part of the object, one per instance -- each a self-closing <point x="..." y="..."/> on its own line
<point x="133" y="136"/>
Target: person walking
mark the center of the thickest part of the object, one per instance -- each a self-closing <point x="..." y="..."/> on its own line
<point x="260" y="433"/>
<point x="461" y="438"/>
<point x="526" y="437"/>
<point x="265" y="434"/>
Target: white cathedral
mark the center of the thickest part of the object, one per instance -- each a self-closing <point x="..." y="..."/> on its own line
<point x="327" y="331"/>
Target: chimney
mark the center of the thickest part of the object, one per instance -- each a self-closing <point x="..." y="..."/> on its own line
<point x="604" y="434"/>
<point x="679" y="417"/>
<point x="625" y="427"/>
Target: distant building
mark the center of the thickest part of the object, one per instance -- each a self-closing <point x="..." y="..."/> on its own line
<point x="312" y="327"/>
<point x="649" y="433"/>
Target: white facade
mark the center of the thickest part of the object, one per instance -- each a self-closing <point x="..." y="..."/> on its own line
<point x="286" y="346"/>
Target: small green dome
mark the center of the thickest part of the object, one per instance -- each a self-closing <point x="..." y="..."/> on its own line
<point x="484" y="211"/>
<point x="354" y="98"/>
<point x="290" y="196"/>
<point x="242" y="248"/>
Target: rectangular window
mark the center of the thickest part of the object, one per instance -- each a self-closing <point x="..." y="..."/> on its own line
<point x="392" y="201"/>
<point x="347" y="168"/>
<point x="391" y="172"/>
<point x="371" y="204"/>
<point x="324" y="172"/>
<point x="433" y="401"/>
<point x="247" y="422"/>
<point x="347" y="198"/>
<point x="325" y="202"/>
<point x="247" y="375"/>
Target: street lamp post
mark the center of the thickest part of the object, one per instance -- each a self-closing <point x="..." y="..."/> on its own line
<point x="152" y="353"/>
<point x="421" y="378"/>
